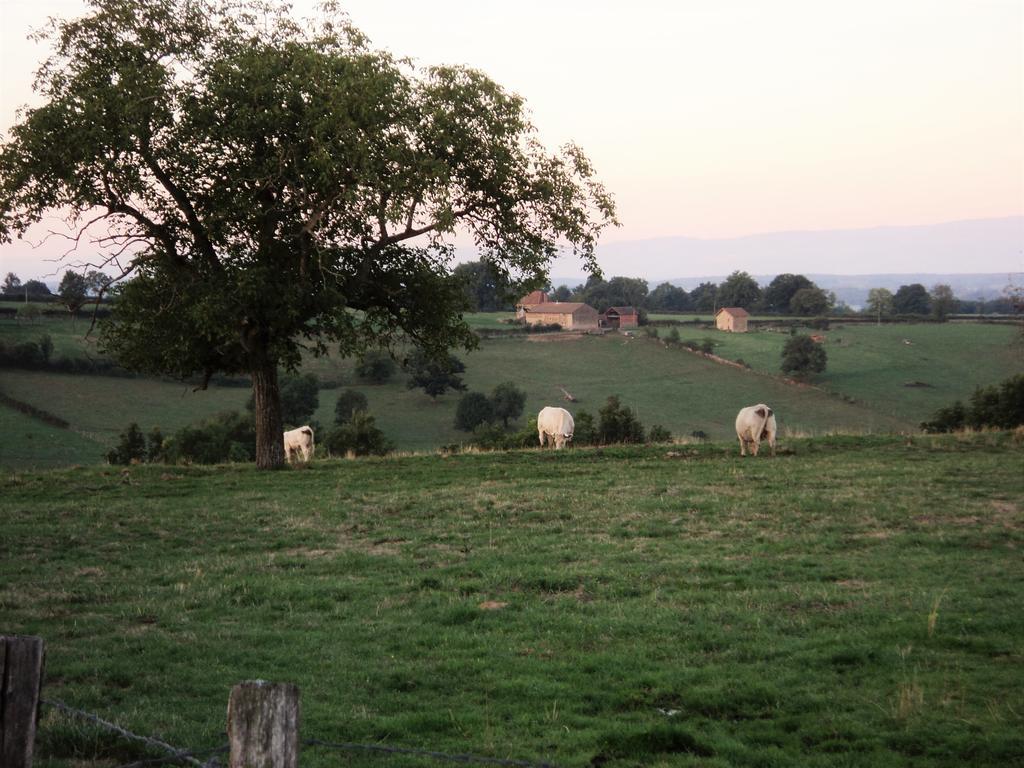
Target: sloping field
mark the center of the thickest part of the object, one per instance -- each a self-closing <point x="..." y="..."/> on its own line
<point x="855" y="601"/>
<point x="29" y="442"/>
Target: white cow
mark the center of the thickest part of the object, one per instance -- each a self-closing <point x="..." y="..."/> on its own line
<point x="299" y="441"/>
<point x="754" y="424"/>
<point x="556" y="424"/>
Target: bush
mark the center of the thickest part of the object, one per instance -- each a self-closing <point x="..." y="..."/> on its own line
<point x="360" y="436"/>
<point x="584" y="433"/>
<point x="435" y="376"/>
<point x="493" y="437"/>
<point x="131" y="449"/>
<point x="349" y="403"/>
<point x="474" y="409"/>
<point x="507" y="402"/>
<point x="707" y="346"/>
<point x="225" y="437"/>
<point x="376" y="367"/>
<point x="155" y="449"/>
<point x="672" y="337"/>
<point x="802" y="356"/>
<point x="659" y="434"/>
<point x="1000" y="406"/>
<point x="652" y="331"/>
<point x="618" y="424"/>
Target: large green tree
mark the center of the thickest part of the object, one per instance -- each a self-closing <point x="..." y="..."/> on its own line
<point x="781" y="289"/>
<point x="271" y="186"/>
<point x="911" y="299"/>
<point x="739" y="290"/>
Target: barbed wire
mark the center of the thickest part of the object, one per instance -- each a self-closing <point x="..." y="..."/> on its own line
<point x="453" y="758"/>
<point x="190" y="756"/>
<point x="185" y="755"/>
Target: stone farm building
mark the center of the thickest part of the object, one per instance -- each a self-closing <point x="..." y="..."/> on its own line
<point x="531" y="299"/>
<point x="732" y="319"/>
<point x="620" y="317"/>
<point x="571" y="315"/>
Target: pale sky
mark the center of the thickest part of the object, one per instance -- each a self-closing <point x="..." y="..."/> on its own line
<point x="724" y="118"/>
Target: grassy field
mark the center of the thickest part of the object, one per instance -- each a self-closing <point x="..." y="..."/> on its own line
<point x="867" y="364"/>
<point x="855" y="601"/>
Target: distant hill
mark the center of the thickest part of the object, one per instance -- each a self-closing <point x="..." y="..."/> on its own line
<point x="992" y="248"/>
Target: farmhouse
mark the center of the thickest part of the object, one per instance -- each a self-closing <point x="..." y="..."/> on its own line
<point x="531" y="299"/>
<point x="620" y="317"/>
<point x="572" y="315"/>
<point x="732" y="319"/>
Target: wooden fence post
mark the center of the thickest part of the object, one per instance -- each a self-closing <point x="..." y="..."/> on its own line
<point x="21" y="680"/>
<point x="263" y="725"/>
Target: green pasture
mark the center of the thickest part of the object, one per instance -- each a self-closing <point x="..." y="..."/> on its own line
<point x="29" y="442"/>
<point x="852" y="602"/>
<point x="875" y="365"/>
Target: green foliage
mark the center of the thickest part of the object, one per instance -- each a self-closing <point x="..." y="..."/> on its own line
<point x="780" y="291"/>
<point x="999" y="406"/>
<point x="810" y="301"/>
<point x="225" y="437"/>
<point x="493" y="437"/>
<point x="131" y="449"/>
<point x="658" y="434"/>
<point x="350" y="402"/>
<point x="29" y="312"/>
<point x="156" y="451"/>
<point x="739" y="290"/>
<point x="474" y="409"/>
<point x="911" y="299"/>
<point x="434" y="374"/>
<point x="12" y="283"/>
<point x="943" y="302"/>
<point x="561" y="293"/>
<point x="802" y="356"/>
<point x="585" y="433"/>
<point x="707" y="346"/>
<point x="617" y="292"/>
<point x="300" y="397"/>
<point x="35" y="289"/>
<point x="507" y="401"/>
<point x="618" y="424"/>
<point x="668" y="298"/>
<point x="703" y="297"/>
<point x="375" y="367"/>
<point x="879" y="302"/>
<point x="487" y="290"/>
<point x="359" y="436"/>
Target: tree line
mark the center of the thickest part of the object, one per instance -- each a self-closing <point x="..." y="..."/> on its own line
<point x="786" y="294"/>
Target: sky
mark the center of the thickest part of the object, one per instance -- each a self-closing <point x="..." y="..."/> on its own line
<point x="724" y="118"/>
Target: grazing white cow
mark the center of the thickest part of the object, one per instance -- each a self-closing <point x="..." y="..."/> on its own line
<point x="754" y="424"/>
<point x="556" y="424"/>
<point x="299" y="441"/>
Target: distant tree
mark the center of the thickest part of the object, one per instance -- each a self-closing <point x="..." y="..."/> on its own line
<point x="943" y="302"/>
<point x="507" y="401"/>
<point x="739" y="290"/>
<point x="300" y="397"/>
<point x="618" y="424"/>
<point x="561" y="293"/>
<point x="911" y="300"/>
<point x="802" y="356"/>
<point x="433" y="375"/>
<point x="36" y="289"/>
<point x="487" y="290"/>
<point x="780" y="291"/>
<point x="359" y="436"/>
<point x="73" y="291"/>
<point x="617" y="292"/>
<point x="474" y="409"/>
<point x="668" y="298"/>
<point x="807" y="302"/>
<point x="350" y="402"/>
<point x="375" y="367"/>
<point x="1000" y="406"/>
<point x="703" y="297"/>
<point x="879" y="302"/>
<point x="12" y="283"/>
<point x="659" y="434"/>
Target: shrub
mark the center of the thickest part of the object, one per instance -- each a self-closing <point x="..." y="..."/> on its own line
<point x="350" y="402"/>
<point x="618" y="424"/>
<point x="584" y="433"/>
<point x="493" y="437"/>
<point x="507" y="402"/>
<point x="801" y="356"/>
<point x="658" y="434"/>
<point x="155" y="449"/>
<point x="707" y="346"/>
<point x="376" y="367"/>
<point x="224" y="437"/>
<point x="474" y="409"/>
<point x="435" y="376"/>
<point x="1000" y="406"/>
<point x="672" y="337"/>
<point x="652" y="332"/>
<point x="359" y="436"/>
<point x="130" y="449"/>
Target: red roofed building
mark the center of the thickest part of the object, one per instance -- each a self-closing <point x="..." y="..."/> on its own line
<point x="732" y="319"/>
<point x="620" y="317"/>
<point x="532" y="299"/>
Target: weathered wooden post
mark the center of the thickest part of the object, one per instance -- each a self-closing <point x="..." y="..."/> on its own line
<point x="263" y="725"/>
<point x="21" y="673"/>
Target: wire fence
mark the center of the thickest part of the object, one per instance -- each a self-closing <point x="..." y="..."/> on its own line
<point x="209" y="758"/>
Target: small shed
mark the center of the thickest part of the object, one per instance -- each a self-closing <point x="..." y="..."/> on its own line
<point x="571" y="315"/>
<point x="532" y="299"/>
<point x="620" y="317"/>
<point x="732" y="319"/>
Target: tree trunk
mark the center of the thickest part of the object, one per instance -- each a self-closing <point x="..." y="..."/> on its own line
<point x="267" y="413"/>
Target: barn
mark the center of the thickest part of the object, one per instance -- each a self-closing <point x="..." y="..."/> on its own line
<point x="532" y="299"/>
<point x="572" y="315"/>
<point x="620" y="317"/>
<point x="732" y="319"/>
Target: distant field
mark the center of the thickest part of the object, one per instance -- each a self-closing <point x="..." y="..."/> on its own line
<point x="28" y="442"/>
<point x="665" y="386"/>
<point x="853" y="602"/>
